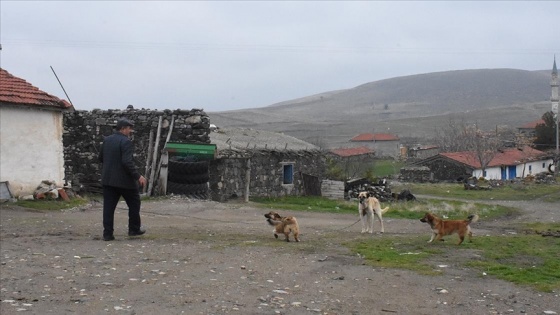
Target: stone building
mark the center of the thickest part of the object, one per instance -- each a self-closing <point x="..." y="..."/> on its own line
<point x="260" y="163"/>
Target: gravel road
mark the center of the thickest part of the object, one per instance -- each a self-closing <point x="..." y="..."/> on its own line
<point x="202" y="257"/>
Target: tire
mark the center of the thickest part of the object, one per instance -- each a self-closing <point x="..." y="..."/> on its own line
<point x="188" y="178"/>
<point x="199" y="167"/>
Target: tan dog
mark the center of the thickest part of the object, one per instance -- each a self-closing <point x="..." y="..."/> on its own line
<point x="283" y="225"/>
<point x="367" y="208"/>
<point x="441" y="228"/>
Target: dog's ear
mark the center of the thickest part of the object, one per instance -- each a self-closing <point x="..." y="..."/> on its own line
<point x="369" y="194"/>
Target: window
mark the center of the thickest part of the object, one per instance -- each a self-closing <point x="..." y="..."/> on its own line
<point x="484" y="174"/>
<point x="530" y="168"/>
<point x="288" y="170"/>
<point x="543" y="165"/>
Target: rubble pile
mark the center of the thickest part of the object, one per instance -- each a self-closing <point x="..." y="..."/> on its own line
<point x="49" y="190"/>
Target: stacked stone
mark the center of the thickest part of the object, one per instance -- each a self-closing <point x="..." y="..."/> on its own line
<point x="191" y="127"/>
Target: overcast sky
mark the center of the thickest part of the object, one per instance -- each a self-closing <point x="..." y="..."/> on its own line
<point x="226" y="55"/>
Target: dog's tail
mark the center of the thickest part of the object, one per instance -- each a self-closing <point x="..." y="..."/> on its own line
<point x="384" y="210"/>
<point x="472" y="218"/>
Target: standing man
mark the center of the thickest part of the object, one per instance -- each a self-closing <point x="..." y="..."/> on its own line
<point x="120" y="177"/>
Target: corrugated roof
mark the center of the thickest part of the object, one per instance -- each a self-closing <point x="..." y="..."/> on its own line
<point x="245" y="140"/>
<point x="346" y="152"/>
<point x="375" y="137"/>
<point x="512" y="156"/>
<point x="533" y="124"/>
<point x="17" y="91"/>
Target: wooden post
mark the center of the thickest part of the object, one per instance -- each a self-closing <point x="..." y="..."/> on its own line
<point x="166" y="161"/>
<point x="170" y="129"/>
<point x="154" y="158"/>
<point x="150" y="148"/>
<point x="247" y="180"/>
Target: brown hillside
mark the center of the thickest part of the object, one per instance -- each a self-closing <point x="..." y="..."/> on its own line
<point x="411" y="106"/>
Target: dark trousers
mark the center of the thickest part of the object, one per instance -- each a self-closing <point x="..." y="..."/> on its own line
<point x="111" y="196"/>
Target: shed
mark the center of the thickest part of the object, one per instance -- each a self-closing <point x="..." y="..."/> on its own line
<point x="31" y="128"/>
<point x="262" y="163"/>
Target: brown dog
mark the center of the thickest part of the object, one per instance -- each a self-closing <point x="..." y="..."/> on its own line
<point x="441" y="228"/>
<point x="283" y="225"/>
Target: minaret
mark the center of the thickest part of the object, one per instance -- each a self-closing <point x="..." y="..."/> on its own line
<point x="554" y="101"/>
<point x="554" y="86"/>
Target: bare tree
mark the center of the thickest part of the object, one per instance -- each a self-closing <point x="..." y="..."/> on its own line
<point x="459" y="136"/>
<point x="485" y="148"/>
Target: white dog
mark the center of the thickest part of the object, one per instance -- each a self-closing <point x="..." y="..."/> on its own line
<point x="368" y="207"/>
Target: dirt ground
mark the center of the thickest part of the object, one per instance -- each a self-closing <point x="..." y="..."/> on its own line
<point x="203" y="257"/>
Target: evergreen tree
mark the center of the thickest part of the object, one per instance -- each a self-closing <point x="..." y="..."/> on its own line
<point x="546" y="133"/>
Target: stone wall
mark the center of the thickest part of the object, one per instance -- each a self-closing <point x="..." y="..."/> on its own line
<point x="84" y="132"/>
<point x="420" y="174"/>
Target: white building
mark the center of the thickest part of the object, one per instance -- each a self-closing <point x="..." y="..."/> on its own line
<point x="31" y="148"/>
<point x="506" y="164"/>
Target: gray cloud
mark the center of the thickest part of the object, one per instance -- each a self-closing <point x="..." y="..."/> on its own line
<point x="225" y="55"/>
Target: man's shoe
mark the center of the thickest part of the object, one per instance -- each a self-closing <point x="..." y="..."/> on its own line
<point x="107" y="238"/>
<point x="138" y="232"/>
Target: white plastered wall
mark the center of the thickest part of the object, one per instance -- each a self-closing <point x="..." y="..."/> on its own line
<point x="31" y="148"/>
<point x="522" y="170"/>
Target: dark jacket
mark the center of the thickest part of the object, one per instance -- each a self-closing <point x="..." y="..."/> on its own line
<point x="119" y="170"/>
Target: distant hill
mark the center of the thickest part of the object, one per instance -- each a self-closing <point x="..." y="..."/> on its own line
<point x="411" y="107"/>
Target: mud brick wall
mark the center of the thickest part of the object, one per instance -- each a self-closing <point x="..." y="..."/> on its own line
<point x="84" y="132"/>
<point x="228" y="173"/>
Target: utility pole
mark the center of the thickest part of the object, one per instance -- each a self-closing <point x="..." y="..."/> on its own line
<point x="554" y="103"/>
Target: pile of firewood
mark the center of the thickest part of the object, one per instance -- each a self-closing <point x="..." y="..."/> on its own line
<point x="379" y="190"/>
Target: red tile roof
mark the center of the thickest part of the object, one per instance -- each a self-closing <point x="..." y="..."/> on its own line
<point x="375" y="137"/>
<point x="346" y="152"/>
<point x="512" y="156"/>
<point x="16" y="91"/>
<point x="533" y="124"/>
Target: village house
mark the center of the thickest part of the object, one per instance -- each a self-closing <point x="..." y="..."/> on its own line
<point x="384" y="144"/>
<point x="262" y="163"/>
<point x="31" y="128"/>
<point x="507" y="164"/>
